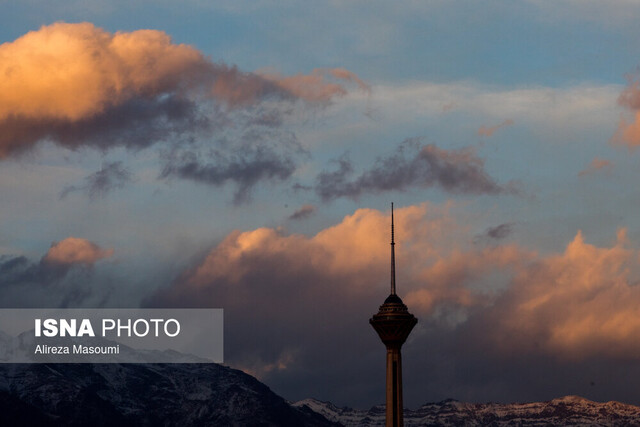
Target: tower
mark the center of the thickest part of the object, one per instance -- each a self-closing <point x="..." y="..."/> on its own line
<point x="393" y="323"/>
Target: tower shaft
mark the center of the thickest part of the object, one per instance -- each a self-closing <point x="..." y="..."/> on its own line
<point x="394" y="417"/>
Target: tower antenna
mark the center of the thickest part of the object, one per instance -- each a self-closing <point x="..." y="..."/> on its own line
<point x="393" y="257"/>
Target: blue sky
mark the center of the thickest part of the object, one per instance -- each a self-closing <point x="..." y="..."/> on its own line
<point x="483" y="116"/>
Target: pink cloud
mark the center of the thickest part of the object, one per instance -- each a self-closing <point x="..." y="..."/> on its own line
<point x="628" y="131"/>
<point x="577" y="304"/>
<point x="489" y="131"/>
<point x="73" y="250"/>
<point x="596" y="165"/>
<point x="317" y="86"/>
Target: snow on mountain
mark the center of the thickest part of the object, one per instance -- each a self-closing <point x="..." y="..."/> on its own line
<point x="565" y="411"/>
<point x="215" y="395"/>
<point x="141" y="395"/>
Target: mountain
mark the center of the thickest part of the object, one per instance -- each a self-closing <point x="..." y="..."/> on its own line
<point x="142" y="395"/>
<point x="214" y="395"/>
<point x="566" y="411"/>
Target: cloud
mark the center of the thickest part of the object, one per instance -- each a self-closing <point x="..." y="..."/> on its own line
<point x="304" y="212"/>
<point x="77" y="85"/>
<point x="499" y="232"/>
<point x="628" y="132"/>
<point x="484" y="131"/>
<point x="245" y="168"/>
<point x="581" y="107"/>
<point x="310" y="295"/>
<point x="579" y="304"/>
<point x="494" y="310"/>
<point x="412" y="165"/>
<point x="616" y="14"/>
<point x="496" y="233"/>
<point x="448" y="107"/>
<point x="60" y="279"/>
<point x="112" y="176"/>
<point x="596" y="165"/>
<point x="73" y="250"/>
<point x="316" y="86"/>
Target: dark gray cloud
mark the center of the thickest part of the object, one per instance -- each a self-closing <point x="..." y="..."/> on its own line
<point x="304" y="212"/>
<point x="25" y="283"/>
<point x="246" y="168"/>
<point x="112" y="176"/>
<point x="496" y="233"/>
<point x="256" y="151"/>
<point x="59" y="279"/>
<point x="500" y="231"/>
<point x="304" y="347"/>
<point x="412" y="165"/>
<point x="136" y="124"/>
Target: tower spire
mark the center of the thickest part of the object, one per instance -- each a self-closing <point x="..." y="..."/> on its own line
<point x="393" y="257"/>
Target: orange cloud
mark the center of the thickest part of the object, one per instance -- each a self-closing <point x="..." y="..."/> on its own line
<point x="580" y="303"/>
<point x="357" y="247"/>
<point x="73" y="71"/>
<point x="577" y="304"/>
<point x="628" y="132"/>
<point x="351" y="260"/>
<point x="496" y="305"/>
<point x="316" y="86"/>
<point x="489" y="131"/>
<point x="596" y="165"/>
<point x="73" y="250"/>
<point x="77" y="84"/>
<point x="313" y="290"/>
<point x="454" y="277"/>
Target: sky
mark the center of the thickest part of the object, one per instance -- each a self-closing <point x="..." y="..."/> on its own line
<point x="244" y="154"/>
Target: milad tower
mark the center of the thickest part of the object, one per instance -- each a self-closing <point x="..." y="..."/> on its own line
<point x="393" y="323"/>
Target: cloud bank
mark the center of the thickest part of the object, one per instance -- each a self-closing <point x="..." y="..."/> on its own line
<point x="311" y="295"/>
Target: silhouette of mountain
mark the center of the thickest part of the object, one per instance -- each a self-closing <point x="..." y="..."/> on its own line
<point x="142" y="395"/>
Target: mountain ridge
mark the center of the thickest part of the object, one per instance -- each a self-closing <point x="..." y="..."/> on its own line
<point x="569" y="410"/>
<point x="213" y="394"/>
<point x="142" y="395"/>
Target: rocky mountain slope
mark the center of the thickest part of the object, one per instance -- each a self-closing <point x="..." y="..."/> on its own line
<point x="141" y="395"/>
<point x="214" y="395"/>
<point x="566" y="411"/>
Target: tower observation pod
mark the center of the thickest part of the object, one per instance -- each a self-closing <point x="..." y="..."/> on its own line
<point x="393" y="323"/>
